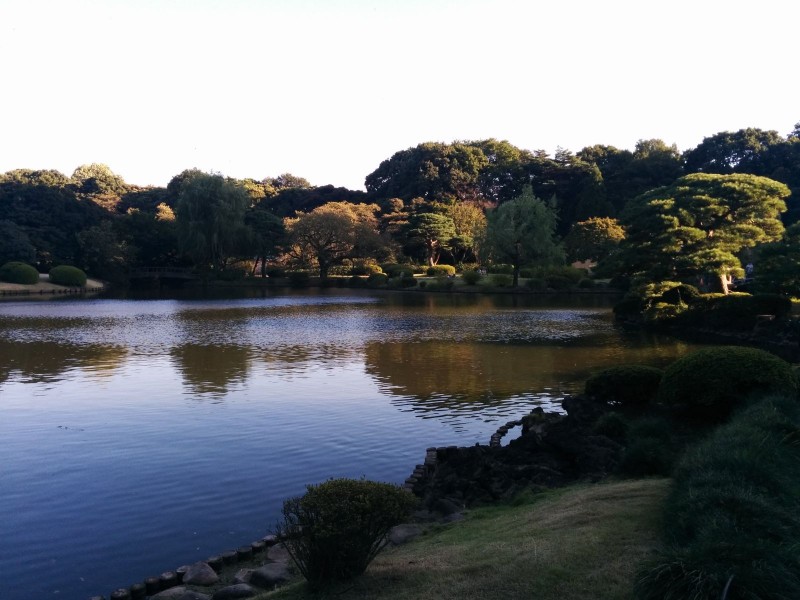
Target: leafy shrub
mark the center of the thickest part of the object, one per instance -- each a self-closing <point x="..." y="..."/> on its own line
<point x="501" y="281"/>
<point x="404" y="282"/>
<point x="500" y="269"/>
<point x="276" y="272"/>
<point x="536" y="284"/>
<point x="471" y="277"/>
<point x="732" y="514"/>
<point x="298" y="278"/>
<point x="19" y="272"/>
<point x="441" y="270"/>
<point x="365" y="267"/>
<point x="681" y="294"/>
<point x="527" y="273"/>
<point x="710" y="383"/>
<point x="586" y="283"/>
<point x="627" y="385"/>
<point x="337" y="528"/>
<point x="377" y="279"/>
<point x="395" y="270"/>
<point x="612" y="425"/>
<point x="558" y="282"/>
<point x="647" y="456"/>
<point x="67" y="275"/>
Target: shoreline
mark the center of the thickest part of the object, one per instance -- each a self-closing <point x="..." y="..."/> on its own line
<point x="45" y="287"/>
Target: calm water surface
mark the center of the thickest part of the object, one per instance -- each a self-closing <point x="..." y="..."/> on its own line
<point x="139" y="435"/>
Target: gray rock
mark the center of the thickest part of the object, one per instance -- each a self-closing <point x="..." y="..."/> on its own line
<point x="278" y="554"/>
<point x="200" y="574"/>
<point x="270" y="575"/>
<point x="180" y="593"/>
<point x="401" y="534"/>
<point x="243" y="576"/>
<point x="240" y="590"/>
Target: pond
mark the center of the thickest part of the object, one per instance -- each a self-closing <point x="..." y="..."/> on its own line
<point x="142" y="434"/>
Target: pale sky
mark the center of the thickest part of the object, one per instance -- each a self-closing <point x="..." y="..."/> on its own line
<point x="327" y="89"/>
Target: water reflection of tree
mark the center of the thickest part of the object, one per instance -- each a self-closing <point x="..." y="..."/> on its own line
<point x="211" y="369"/>
<point x="438" y="375"/>
<point x="39" y="361"/>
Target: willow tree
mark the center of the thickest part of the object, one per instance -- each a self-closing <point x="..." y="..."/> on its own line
<point x="699" y="224"/>
<point x="210" y="217"/>
<point x="522" y="231"/>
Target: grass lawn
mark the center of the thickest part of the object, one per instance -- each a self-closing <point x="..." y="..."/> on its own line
<point x="578" y="542"/>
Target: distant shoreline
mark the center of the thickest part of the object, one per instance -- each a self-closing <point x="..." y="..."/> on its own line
<point x="45" y="287"/>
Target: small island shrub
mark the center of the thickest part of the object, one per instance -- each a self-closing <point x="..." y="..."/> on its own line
<point x="501" y="281"/>
<point x="626" y="385"/>
<point x="67" y="275"/>
<point x="403" y="282"/>
<point x="681" y="294"/>
<point x="19" y="272"/>
<point x="335" y="530"/>
<point x="471" y="277"/>
<point x="709" y="383"/>
<point x="377" y="280"/>
<point x="441" y="271"/>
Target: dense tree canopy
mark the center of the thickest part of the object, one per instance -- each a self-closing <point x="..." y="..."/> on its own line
<point x="593" y="239"/>
<point x="522" y="231"/>
<point x="699" y="224"/>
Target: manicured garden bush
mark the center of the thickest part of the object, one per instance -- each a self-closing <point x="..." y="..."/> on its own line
<point x="626" y="385"/>
<point x="613" y="425"/>
<point x="471" y="277"/>
<point x="500" y="269"/>
<point x="681" y="294"/>
<point x="501" y="281"/>
<point x="19" y="272"/>
<point x="67" y="275"/>
<point x="732" y="520"/>
<point x="365" y="267"/>
<point x="337" y="528"/>
<point x="710" y="383"/>
<point x="558" y="282"/>
<point x="403" y="282"/>
<point x="395" y="270"/>
<point x="441" y="271"/>
<point x="377" y="279"/>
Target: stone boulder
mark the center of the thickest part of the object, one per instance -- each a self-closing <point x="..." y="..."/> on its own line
<point x="270" y="575"/>
<point x="179" y="593"/>
<point x="232" y="592"/>
<point x="278" y="553"/>
<point x="200" y="573"/>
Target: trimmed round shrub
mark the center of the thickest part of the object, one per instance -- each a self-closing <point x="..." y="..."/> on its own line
<point x="395" y="270"/>
<point x="19" y="272"/>
<point x="365" y="268"/>
<point x="626" y="385"/>
<point x="612" y="425"/>
<point x="67" y="275"/>
<point x="441" y="271"/>
<point x="586" y="283"/>
<point x="335" y="530"/>
<point x="471" y="277"/>
<point x="558" y="282"/>
<point x="710" y="383"/>
<point x="647" y="456"/>
<point x="681" y="294"/>
<point x="403" y="282"/>
<point x="500" y="280"/>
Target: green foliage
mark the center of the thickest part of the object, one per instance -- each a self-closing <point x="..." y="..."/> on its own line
<point x="732" y="517"/>
<point x="626" y="386"/>
<point x="433" y="231"/>
<point x="522" y="231"/>
<point x="365" y="267"/>
<point x="395" y="270"/>
<point x="298" y="278"/>
<point x="779" y="264"/>
<point x="593" y="239"/>
<point x="276" y="272"/>
<point x="646" y="456"/>
<point x="708" y="384"/>
<point x="471" y="277"/>
<point x="231" y="274"/>
<point x="441" y="271"/>
<point x="613" y="425"/>
<point x="699" y="224"/>
<point x="587" y="284"/>
<point x="536" y="284"/>
<point x="19" y="272"/>
<point x="501" y="281"/>
<point x="67" y="275"/>
<point x="558" y="282"/>
<point x="15" y="245"/>
<point x="403" y="282"/>
<point x="337" y="528"/>
<point x="500" y="269"/>
<point x="377" y="280"/>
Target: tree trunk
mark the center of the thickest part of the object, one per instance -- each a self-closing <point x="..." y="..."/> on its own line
<point x="725" y="280"/>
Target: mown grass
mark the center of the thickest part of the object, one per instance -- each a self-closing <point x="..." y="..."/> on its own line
<point x="578" y="542"/>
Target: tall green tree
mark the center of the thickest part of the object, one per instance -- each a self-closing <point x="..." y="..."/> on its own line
<point x="699" y="224"/>
<point x="432" y="231"/>
<point x="522" y="231"/>
<point x="593" y="239"/>
<point x="210" y="217"/>
<point x="15" y="245"/>
<point x="778" y="264"/>
<point x="267" y="234"/>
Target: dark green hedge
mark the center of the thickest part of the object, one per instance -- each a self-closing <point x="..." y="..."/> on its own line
<point x="626" y="385"/>
<point x="67" y="275"/>
<point x="19" y="272"/>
